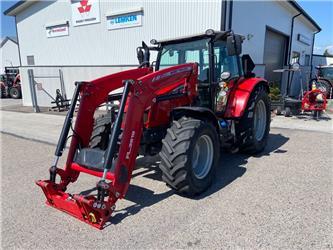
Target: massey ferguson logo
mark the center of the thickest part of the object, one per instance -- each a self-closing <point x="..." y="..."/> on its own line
<point x="85" y="7"/>
<point x="85" y="12"/>
<point x="171" y="73"/>
<point x="130" y="145"/>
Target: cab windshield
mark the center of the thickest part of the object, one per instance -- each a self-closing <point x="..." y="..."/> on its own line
<point x="197" y="51"/>
<point x="326" y="73"/>
<point x="186" y="52"/>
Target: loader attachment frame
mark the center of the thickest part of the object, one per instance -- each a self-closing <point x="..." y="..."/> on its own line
<point x="141" y="89"/>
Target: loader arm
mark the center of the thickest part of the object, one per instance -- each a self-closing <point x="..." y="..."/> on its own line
<point x="93" y="94"/>
<point x="143" y="93"/>
<point x="140" y="91"/>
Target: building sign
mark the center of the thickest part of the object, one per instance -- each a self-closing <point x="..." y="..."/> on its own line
<point x="57" y="30"/>
<point x="303" y="39"/>
<point x="124" y="20"/>
<point x="85" y="12"/>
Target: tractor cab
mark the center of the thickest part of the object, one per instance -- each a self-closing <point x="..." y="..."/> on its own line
<point x="217" y="56"/>
<point x="325" y="72"/>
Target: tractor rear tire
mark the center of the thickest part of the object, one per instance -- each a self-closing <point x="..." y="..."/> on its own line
<point x="253" y="128"/>
<point x="189" y="156"/>
<point x="101" y="132"/>
<point x="15" y="93"/>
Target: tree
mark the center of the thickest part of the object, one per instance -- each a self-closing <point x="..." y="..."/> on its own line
<point x="327" y="52"/>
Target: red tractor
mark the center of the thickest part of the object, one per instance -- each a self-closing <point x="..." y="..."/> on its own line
<point x="198" y="96"/>
<point x="10" y="86"/>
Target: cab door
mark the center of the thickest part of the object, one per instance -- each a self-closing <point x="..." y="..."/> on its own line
<point x="224" y="63"/>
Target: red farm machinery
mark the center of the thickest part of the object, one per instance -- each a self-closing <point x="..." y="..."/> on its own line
<point x="10" y="83"/>
<point x="199" y="95"/>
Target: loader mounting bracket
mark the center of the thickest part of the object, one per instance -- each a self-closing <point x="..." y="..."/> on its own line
<point x="85" y="208"/>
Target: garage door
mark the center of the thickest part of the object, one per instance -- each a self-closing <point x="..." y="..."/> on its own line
<point x="274" y="54"/>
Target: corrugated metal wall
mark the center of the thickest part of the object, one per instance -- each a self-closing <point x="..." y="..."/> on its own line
<point x="319" y="60"/>
<point x="70" y="76"/>
<point x="94" y="44"/>
<point x="298" y="81"/>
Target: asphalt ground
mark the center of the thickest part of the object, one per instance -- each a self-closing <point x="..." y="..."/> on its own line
<point x="279" y="199"/>
<point x="9" y="102"/>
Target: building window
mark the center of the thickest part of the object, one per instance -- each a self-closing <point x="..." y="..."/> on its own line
<point x="307" y="60"/>
<point x="295" y="57"/>
<point x="31" y="60"/>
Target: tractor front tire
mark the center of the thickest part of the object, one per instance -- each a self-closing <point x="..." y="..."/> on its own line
<point x="189" y="156"/>
<point x="3" y="92"/>
<point x="253" y="128"/>
<point x="15" y="93"/>
<point x="101" y="132"/>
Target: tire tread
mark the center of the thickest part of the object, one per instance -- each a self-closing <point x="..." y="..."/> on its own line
<point x="175" y="155"/>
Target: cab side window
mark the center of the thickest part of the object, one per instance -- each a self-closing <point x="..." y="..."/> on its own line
<point x="225" y="63"/>
<point x="200" y="57"/>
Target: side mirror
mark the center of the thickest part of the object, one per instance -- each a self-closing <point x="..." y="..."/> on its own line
<point x="139" y="54"/>
<point x="234" y="45"/>
<point x="146" y="56"/>
<point x="143" y="55"/>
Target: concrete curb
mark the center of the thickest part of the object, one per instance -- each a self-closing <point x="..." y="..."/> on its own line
<point x="28" y="138"/>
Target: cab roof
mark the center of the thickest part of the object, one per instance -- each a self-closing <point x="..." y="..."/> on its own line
<point x="218" y="35"/>
<point x="324" y="66"/>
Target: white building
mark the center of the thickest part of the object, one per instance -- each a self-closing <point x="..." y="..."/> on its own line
<point x="9" y="53"/>
<point x="87" y="39"/>
<point x="321" y="60"/>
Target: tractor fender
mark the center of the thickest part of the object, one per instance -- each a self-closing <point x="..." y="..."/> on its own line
<point x="200" y="113"/>
<point x="240" y="95"/>
<point x="17" y="80"/>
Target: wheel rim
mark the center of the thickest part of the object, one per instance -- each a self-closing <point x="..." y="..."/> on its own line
<point x="260" y="118"/>
<point x="14" y="92"/>
<point x="202" y="156"/>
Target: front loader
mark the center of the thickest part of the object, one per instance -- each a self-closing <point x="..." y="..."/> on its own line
<point x="200" y="95"/>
